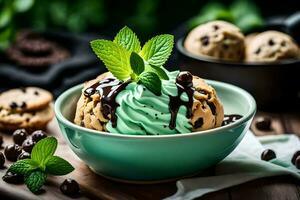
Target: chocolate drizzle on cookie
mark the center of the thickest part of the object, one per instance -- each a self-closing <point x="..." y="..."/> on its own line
<point x="108" y="89"/>
<point x="184" y="83"/>
<point x="228" y="119"/>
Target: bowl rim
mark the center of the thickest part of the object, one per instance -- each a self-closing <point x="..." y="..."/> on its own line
<point x="182" y="50"/>
<point x="78" y="88"/>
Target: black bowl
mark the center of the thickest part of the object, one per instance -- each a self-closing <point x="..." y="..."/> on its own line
<point x="274" y="85"/>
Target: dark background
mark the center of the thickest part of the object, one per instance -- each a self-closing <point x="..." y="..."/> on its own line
<point x="146" y="17"/>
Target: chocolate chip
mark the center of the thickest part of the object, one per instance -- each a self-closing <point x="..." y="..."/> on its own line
<point x="296" y="154"/>
<point x="155" y="114"/>
<point x="70" y="187"/>
<point x="38" y="135"/>
<point x="23" y="105"/>
<point x="23" y="89"/>
<point x="212" y="107"/>
<point x="12" y="152"/>
<point x="185" y="79"/>
<point x="204" y="40"/>
<point x="27" y="119"/>
<point x="257" y="51"/>
<point x="283" y="43"/>
<point x="198" y="123"/>
<point x="263" y="123"/>
<point x="13" y="105"/>
<point x="268" y="154"/>
<point x="28" y="144"/>
<point x="24" y="155"/>
<point x="36" y="93"/>
<point x="297" y="162"/>
<point x="165" y="126"/>
<point x="271" y="42"/>
<point x="2" y="160"/>
<point x="19" y="136"/>
<point x="13" y="178"/>
<point x="216" y="27"/>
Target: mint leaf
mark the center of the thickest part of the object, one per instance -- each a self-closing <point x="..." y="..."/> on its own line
<point x="114" y="56"/>
<point x="23" y="167"/>
<point x="43" y="150"/>
<point x="137" y="63"/>
<point x="158" y="49"/>
<point x="35" y="180"/>
<point x="151" y="81"/>
<point x="157" y="70"/>
<point x="58" y="166"/>
<point x="128" y="39"/>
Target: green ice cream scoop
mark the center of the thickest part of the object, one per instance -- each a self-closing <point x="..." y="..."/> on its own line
<point x="143" y="113"/>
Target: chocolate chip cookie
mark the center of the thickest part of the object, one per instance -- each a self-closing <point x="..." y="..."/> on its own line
<point x="25" y="99"/>
<point x="31" y="120"/>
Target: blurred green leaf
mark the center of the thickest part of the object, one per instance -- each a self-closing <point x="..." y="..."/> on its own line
<point x="211" y="11"/>
<point x="22" y="5"/>
<point x="6" y="37"/>
<point x="243" y="13"/>
<point x="5" y="16"/>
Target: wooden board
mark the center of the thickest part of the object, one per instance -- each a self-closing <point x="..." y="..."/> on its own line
<point x="97" y="187"/>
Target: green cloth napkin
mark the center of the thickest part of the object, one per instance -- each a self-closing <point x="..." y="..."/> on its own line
<point x="243" y="165"/>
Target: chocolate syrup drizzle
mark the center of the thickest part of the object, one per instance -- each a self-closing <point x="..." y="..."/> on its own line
<point x="228" y="119"/>
<point x="184" y="84"/>
<point x="108" y="90"/>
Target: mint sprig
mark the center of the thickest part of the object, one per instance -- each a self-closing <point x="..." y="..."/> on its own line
<point x="151" y="81"/>
<point x="128" y="39"/>
<point x="125" y="58"/>
<point x="41" y="163"/>
<point x="158" y="49"/>
<point x="137" y="63"/>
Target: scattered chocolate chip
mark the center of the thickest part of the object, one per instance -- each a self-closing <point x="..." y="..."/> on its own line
<point x="38" y="135"/>
<point x="12" y="152"/>
<point x="28" y="144"/>
<point x="13" y="105"/>
<point x="198" y="123"/>
<point x="271" y="42"/>
<point x="185" y="79"/>
<point x="165" y="126"/>
<point x="204" y="40"/>
<point x="2" y="160"/>
<point x="23" y="105"/>
<point x="268" y="154"/>
<point x="155" y="114"/>
<point x="283" y="43"/>
<point x="13" y="178"/>
<point x="70" y="187"/>
<point x="257" y="51"/>
<point x="27" y="120"/>
<point x="296" y="154"/>
<point x="19" y="136"/>
<point x="24" y="155"/>
<point x="36" y="93"/>
<point x="263" y="123"/>
<point x="297" y="162"/>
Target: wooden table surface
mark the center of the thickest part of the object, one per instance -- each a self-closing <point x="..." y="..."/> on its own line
<point x="96" y="187"/>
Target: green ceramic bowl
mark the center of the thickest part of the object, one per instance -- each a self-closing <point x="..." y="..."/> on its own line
<point x="161" y="157"/>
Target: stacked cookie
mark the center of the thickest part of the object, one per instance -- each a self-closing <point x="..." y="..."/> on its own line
<point x="29" y="108"/>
